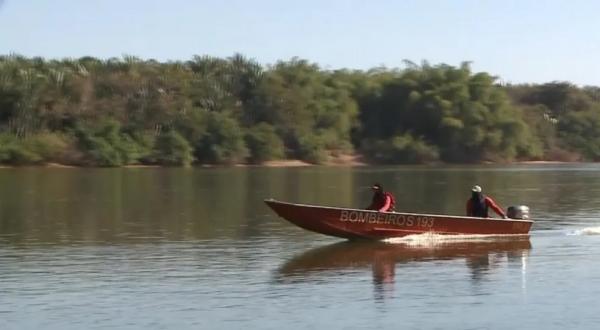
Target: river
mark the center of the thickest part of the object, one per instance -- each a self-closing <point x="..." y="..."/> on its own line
<point x="162" y="248"/>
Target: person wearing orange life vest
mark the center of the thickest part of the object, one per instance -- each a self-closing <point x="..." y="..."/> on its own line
<point x="383" y="201"/>
<point x="477" y="205"/>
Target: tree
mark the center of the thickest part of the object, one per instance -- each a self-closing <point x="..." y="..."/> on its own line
<point x="308" y="108"/>
<point x="222" y="142"/>
<point x="264" y="144"/>
<point x="172" y="149"/>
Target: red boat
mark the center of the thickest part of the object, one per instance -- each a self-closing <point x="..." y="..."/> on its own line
<point x="355" y="223"/>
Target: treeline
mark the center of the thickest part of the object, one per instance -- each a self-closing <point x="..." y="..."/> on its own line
<point x="207" y="110"/>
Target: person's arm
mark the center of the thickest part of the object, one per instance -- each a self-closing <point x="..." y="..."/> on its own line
<point x="469" y="208"/>
<point x="490" y="202"/>
<point x="386" y="206"/>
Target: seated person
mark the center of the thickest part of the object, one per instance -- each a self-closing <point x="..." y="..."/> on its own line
<point x="477" y="205"/>
<point x="383" y="201"/>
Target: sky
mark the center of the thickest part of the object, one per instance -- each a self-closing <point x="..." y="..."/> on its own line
<point x="520" y="41"/>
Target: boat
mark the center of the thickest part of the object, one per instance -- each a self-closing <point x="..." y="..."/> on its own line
<point x="352" y="223"/>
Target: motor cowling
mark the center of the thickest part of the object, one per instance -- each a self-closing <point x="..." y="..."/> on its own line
<point x="518" y="212"/>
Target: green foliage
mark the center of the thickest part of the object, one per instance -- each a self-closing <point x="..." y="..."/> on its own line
<point x="12" y="151"/>
<point x="43" y="147"/>
<point x="52" y="147"/>
<point x="558" y="97"/>
<point x="106" y="145"/>
<point x="312" y="149"/>
<point x="300" y="100"/>
<point x="402" y="149"/>
<point x="465" y="115"/>
<point x="172" y="149"/>
<point x="222" y="142"/>
<point x="581" y="130"/>
<point x="232" y="110"/>
<point x="263" y="144"/>
<point x="562" y="118"/>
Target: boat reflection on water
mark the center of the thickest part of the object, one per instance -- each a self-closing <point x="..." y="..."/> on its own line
<point x="481" y="255"/>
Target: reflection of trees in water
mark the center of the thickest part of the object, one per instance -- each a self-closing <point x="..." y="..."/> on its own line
<point x="325" y="186"/>
<point x="109" y="205"/>
<point x="62" y="205"/>
<point x="481" y="257"/>
<point x="58" y="205"/>
<point x="548" y="191"/>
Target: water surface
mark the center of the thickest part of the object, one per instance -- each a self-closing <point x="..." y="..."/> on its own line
<point x="197" y="249"/>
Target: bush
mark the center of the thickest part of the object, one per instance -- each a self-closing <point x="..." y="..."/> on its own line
<point x="580" y="131"/>
<point x="22" y="156"/>
<point x="40" y="148"/>
<point x="54" y="147"/>
<point x="172" y="149"/>
<point x="402" y="149"/>
<point x="140" y="147"/>
<point x="7" y="147"/>
<point x="106" y="145"/>
<point x="312" y="150"/>
<point x="223" y="141"/>
<point x="263" y="143"/>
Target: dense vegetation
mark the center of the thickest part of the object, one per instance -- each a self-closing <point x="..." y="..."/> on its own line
<point x="209" y="110"/>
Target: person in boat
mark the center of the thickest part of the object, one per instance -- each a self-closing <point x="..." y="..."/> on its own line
<point x="478" y="204"/>
<point x="383" y="201"/>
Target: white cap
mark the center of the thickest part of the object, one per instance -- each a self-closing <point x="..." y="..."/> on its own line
<point x="476" y="189"/>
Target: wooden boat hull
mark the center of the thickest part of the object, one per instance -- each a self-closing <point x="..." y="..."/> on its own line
<point x="355" y="223"/>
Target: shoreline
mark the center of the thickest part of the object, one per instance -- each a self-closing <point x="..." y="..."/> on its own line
<point x="289" y="163"/>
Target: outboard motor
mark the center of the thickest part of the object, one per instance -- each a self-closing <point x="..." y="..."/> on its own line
<point x="518" y="212"/>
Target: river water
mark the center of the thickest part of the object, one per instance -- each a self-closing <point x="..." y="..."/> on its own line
<point x="197" y="249"/>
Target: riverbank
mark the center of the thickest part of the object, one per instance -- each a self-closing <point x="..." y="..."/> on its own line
<point x="351" y="160"/>
<point x="345" y="160"/>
